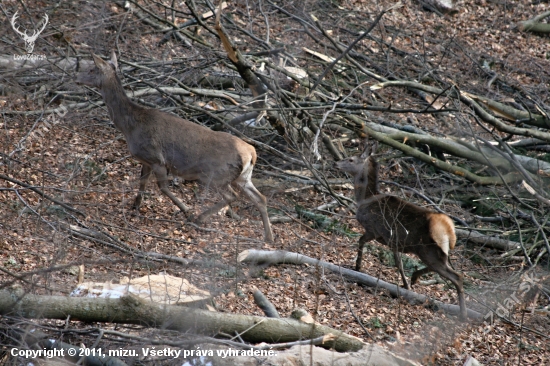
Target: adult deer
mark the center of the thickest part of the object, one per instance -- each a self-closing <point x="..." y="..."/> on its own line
<point x="402" y="226"/>
<point x="164" y="143"/>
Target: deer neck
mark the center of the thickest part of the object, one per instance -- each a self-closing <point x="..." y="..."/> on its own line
<point x="120" y="106"/>
<point x="366" y="182"/>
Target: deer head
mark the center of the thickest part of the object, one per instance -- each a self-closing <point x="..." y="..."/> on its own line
<point x="29" y="40"/>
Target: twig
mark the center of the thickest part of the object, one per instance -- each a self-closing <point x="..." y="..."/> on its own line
<point x="343" y="54"/>
<point x="34" y="189"/>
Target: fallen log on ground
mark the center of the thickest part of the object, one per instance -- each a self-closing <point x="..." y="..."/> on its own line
<point x="132" y="310"/>
<point x="263" y="257"/>
<point x="485" y="240"/>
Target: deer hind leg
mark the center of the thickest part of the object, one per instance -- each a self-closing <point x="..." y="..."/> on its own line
<point x="416" y="275"/>
<point x="399" y="264"/>
<point x="144" y="178"/>
<point x="161" y="173"/>
<point x="441" y="266"/>
<point x="458" y="280"/>
<point x="244" y="184"/>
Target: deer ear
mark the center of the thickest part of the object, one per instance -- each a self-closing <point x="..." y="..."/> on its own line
<point x="114" y="61"/>
<point x="374" y="147"/>
<point x="365" y="152"/>
<point x="99" y="61"/>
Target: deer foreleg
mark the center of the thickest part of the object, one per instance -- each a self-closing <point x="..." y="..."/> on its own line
<point x="145" y="174"/>
<point x="228" y="197"/>
<point x="362" y="240"/>
<point x="161" y="173"/>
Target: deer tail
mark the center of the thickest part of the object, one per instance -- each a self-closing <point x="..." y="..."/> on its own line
<point x="442" y="231"/>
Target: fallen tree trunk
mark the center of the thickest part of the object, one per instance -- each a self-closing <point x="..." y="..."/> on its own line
<point x="453" y="169"/>
<point x="464" y="149"/>
<point x="132" y="310"/>
<point x="264" y="257"/>
<point x="488" y="241"/>
<point x="535" y="24"/>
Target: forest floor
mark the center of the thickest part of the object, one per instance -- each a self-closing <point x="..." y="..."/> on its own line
<point x="85" y="162"/>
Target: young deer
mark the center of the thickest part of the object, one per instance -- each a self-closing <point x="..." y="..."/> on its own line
<point x="402" y="226"/>
<point x="163" y="142"/>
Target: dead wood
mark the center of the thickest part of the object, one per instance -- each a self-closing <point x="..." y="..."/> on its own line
<point x="457" y="147"/>
<point x="267" y="306"/>
<point x="472" y="100"/>
<point x="488" y="241"/>
<point x="42" y="194"/>
<point x="132" y="310"/>
<point x="263" y="257"/>
<point x="535" y="25"/>
<point x="510" y="177"/>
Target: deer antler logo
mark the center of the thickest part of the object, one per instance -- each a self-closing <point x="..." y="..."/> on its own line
<point x="29" y="40"/>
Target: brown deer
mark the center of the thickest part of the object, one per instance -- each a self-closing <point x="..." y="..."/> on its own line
<point x="402" y="226"/>
<point x="164" y="143"/>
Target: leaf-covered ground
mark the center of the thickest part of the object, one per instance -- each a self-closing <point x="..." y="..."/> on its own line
<point x="80" y="159"/>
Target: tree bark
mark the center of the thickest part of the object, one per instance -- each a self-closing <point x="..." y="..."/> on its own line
<point x="488" y="241"/>
<point x="131" y="310"/>
<point x="535" y="24"/>
<point x="263" y="257"/>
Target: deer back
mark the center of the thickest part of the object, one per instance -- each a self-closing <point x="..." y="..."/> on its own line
<point x="189" y="150"/>
<point x="397" y="223"/>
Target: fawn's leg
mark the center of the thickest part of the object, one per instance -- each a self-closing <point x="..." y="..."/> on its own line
<point x="362" y="241"/>
<point x="438" y="262"/>
<point x="416" y="275"/>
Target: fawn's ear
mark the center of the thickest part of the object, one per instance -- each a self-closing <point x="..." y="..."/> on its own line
<point x="369" y="150"/>
<point x="365" y="152"/>
<point x="113" y="60"/>
<point x="104" y="66"/>
<point x="374" y="148"/>
<point x="98" y="61"/>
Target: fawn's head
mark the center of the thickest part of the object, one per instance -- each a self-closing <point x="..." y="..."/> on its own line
<point x="364" y="169"/>
<point x="352" y="165"/>
<point x="356" y="165"/>
<point x="98" y="75"/>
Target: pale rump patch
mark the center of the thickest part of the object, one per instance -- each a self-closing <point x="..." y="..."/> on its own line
<point x="246" y="174"/>
<point x="442" y="231"/>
